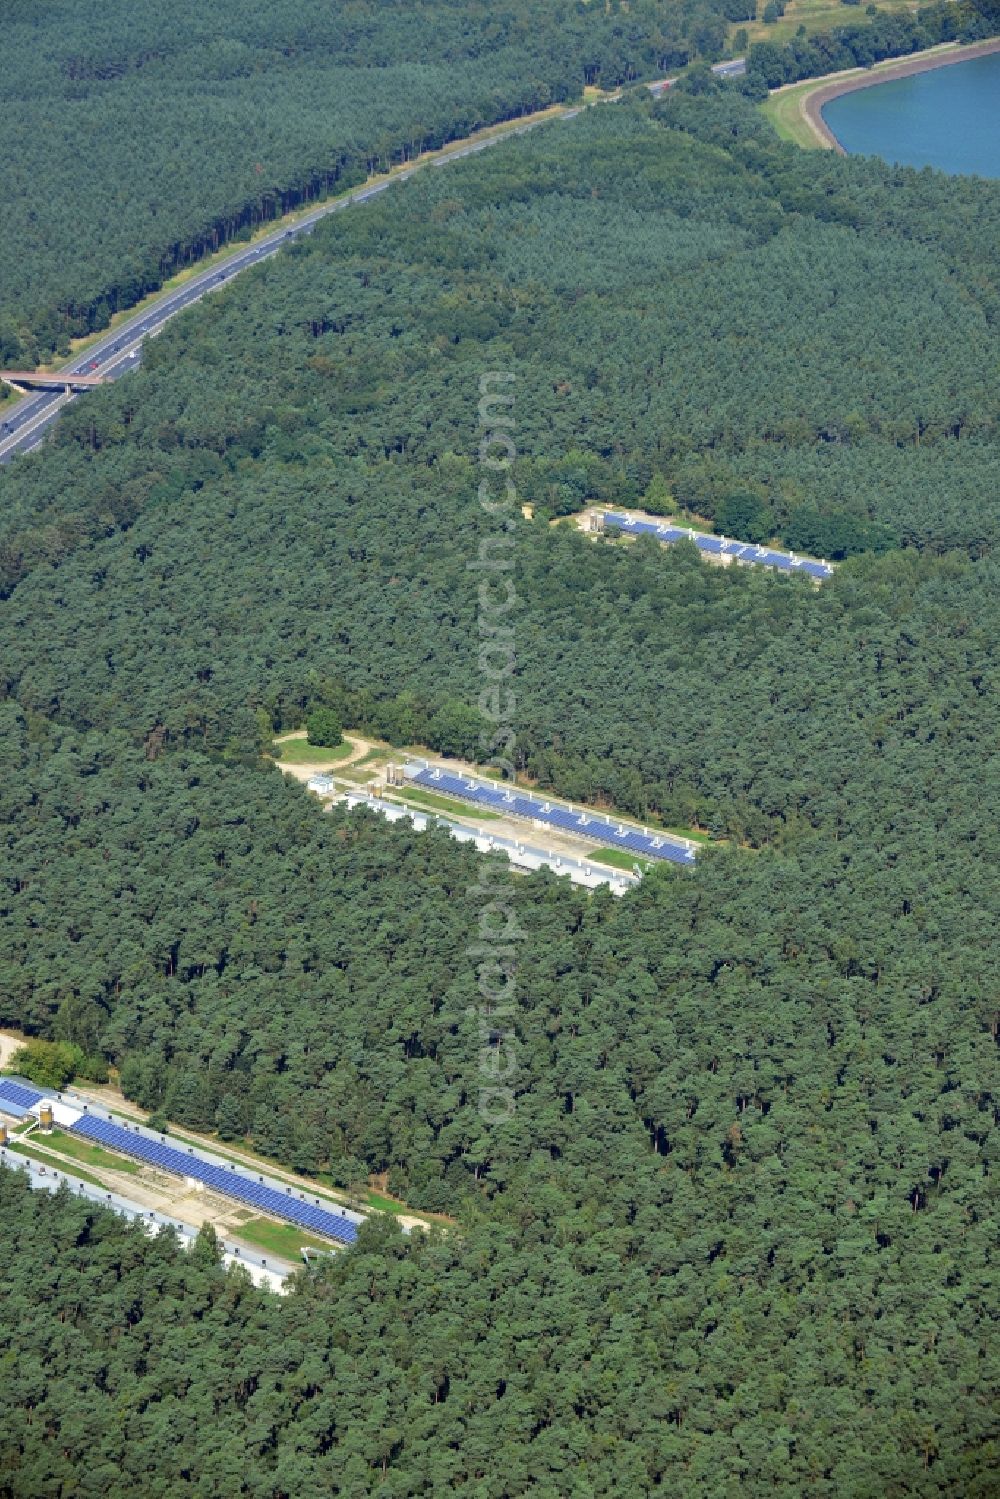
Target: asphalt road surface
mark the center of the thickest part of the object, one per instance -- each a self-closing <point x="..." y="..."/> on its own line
<point x="119" y="351"/>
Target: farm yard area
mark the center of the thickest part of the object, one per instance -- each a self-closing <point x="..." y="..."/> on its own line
<point x="530" y="828"/>
<point x="163" y="1175"/>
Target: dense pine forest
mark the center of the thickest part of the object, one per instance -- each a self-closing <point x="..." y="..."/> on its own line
<point x="136" y="136"/>
<point x="737" y="1232"/>
<point x="139" y="137"/>
<point x="754" y="1119"/>
<point x="808" y="349"/>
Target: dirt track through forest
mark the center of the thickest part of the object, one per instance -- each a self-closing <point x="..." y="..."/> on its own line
<point x="303" y="769"/>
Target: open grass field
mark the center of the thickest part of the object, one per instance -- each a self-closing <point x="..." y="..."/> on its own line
<point x="278" y="1238"/>
<point x="386" y="1204"/>
<point x="20" y="1147"/>
<point x="450" y="804"/>
<point x="683" y="833"/>
<point x="380" y="755"/>
<point x="88" y="1155"/>
<point x="301" y="752"/>
<point x="814" y="15"/>
<point x="618" y="858"/>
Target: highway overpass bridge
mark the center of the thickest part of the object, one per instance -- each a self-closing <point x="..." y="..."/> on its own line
<point x="735" y="68"/>
<point x="62" y="380"/>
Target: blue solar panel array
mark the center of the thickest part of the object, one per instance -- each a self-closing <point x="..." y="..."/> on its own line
<point x="13" y="1095"/>
<point x="220" y="1179"/>
<point x="583" y="824"/>
<point x="715" y="546"/>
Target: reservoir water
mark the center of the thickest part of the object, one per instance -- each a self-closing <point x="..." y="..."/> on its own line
<point x="948" y="118"/>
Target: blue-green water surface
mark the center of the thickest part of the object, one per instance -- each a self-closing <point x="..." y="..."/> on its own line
<point x="948" y="118"/>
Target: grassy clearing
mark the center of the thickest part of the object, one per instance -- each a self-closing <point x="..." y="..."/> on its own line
<point x="90" y="1155"/>
<point x="682" y="833"/>
<point x="618" y="858"/>
<point x="387" y="1205"/>
<point x="44" y="1159"/>
<point x="381" y="754"/>
<point x="359" y="773"/>
<point x="278" y="1238"/>
<point x="436" y="803"/>
<point x="301" y="752"/>
<point x="814" y="15"/>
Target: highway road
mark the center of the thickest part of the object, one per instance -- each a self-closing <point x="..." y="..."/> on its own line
<point x="118" y="352"/>
<point x="735" y="68"/>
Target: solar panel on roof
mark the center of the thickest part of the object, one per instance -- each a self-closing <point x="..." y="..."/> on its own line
<point x="526" y="805"/>
<point x="230" y="1182"/>
<point x="716" y="546"/>
<point x="17" y="1095"/>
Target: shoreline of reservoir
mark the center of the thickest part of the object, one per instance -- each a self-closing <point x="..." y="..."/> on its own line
<point x="857" y="78"/>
